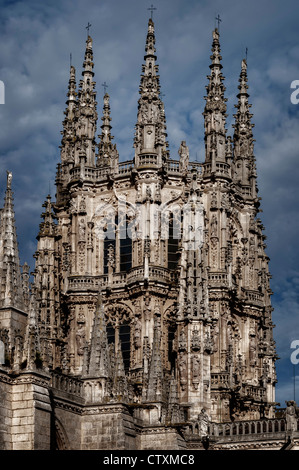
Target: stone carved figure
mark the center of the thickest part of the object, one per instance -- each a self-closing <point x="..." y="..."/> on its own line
<point x="184" y="156"/>
<point x="111" y="256"/>
<point x="137" y="334"/>
<point x="80" y="339"/>
<point x="182" y="366"/>
<point x="182" y="341"/>
<point x="82" y="207"/>
<point x="291" y="415"/>
<point x="195" y="340"/>
<point x="195" y="371"/>
<point x="203" y="422"/>
<point x="252" y="348"/>
<point x="214" y="225"/>
<point x="82" y="230"/>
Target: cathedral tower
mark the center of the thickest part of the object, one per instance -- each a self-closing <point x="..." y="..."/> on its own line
<point x="150" y="305"/>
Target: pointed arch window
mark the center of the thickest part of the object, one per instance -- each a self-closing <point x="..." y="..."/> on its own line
<point x="174" y="236"/>
<point x="171" y="350"/>
<point x="125" y="245"/>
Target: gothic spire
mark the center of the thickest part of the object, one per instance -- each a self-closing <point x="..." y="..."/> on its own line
<point x="11" y="293"/>
<point x="32" y="341"/>
<point x="155" y="376"/>
<point x="48" y="226"/>
<point x="87" y="114"/>
<point x="69" y="132"/>
<point x="120" y="388"/>
<point x="108" y="154"/>
<point x="150" y="135"/>
<point x="99" y="351"/>
<point x="244" y="160"/>
<point x="215" y="109"/>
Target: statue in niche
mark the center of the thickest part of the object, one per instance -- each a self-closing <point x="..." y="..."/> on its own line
<point x="148" y="193"/>
<point x="80" y="339"/>
<point x="137" y="334"/>
<point x="182" y="367"/>
<point x="147" y="308"/>
<point x="252" y="348"/>
<point x="214" y="225"/>
<point x="204" y="420"/>
<point x="182" y="341"/>
<point x="195" y="340"/>
<point x="82" y="207"/>
<point x="158" y="192"/>
<point x="217" y="121"/>
<point x="138" y="192"/>
<point x="195" y="367"/>
<point x="73" y="206"/>
<point x="143" y="111"/>
<point x="214" y="200"/>
<point x="82" y="230"/>
<point x="209" y="344"/>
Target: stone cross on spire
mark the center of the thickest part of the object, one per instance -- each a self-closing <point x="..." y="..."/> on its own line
<point x="105" y="87"/>
<point x="152" y="9"/>
<point x="87" y="27"/>
<point x="218" y="19"/>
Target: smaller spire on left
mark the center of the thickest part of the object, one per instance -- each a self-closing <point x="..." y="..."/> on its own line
<point x="69" y="129"/>
<point x="11" y="285"/>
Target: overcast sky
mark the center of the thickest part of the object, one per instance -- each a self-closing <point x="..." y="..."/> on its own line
<point x="36" y="39"/>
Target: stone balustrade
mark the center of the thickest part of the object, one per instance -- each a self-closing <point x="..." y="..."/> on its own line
<point x="155" y="273"/>
<point x="173" y="166"/>
<point x="126" y="167"/>
<point x="251" y="428"/>
<point x="67" y="384"/>
<point x="254" y="297"/>
<point x="241" y="428"/>
<point x="218" y="279"/>
<point x="148" y="160"/>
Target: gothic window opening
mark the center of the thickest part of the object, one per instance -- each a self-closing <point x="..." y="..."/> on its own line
<point x="125" y="246"/>
<point x="173" y="241"/>
<point x="124" y="337"/>
<point x="171" y="350"/>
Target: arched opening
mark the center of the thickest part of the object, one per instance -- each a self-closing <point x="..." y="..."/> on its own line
<point x="125" y="246"/>
<point x="171" y="350"/>
<point x="174" y="236"/>
<point x="59" y="440"/>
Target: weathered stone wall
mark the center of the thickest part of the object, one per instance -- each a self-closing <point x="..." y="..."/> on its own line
<point x="67" y="427"/>
<point x="24" y="414"/>
<point x="5" y="416"/>
<point x="108" y="428"/>
<point x="161" y="438"/>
